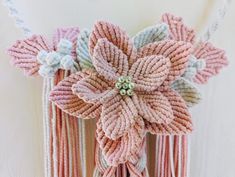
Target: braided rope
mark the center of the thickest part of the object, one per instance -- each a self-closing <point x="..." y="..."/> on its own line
<point x="15" y="14"/>
<point x="217" y="21"/>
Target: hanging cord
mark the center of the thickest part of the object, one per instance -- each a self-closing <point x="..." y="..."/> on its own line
<point x="15" y="14"/>
<point x="216" y="22"/>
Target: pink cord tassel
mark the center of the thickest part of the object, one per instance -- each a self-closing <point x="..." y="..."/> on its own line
<point x="171" y="156"/>
<point x="127" y="169"/>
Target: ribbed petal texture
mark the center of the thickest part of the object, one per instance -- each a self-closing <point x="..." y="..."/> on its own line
<point x="24" y="53"/>
<point x="178" y="30"/>
<point x="177" y="52"/>
<point x="187" y="91"/>
<point x="215" y="59"/>
<point x="181" y="123"/>
<point x="151" y="34"/>
<point x="63" y="96"/>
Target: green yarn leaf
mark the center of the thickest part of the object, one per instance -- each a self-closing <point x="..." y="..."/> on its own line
<point x="151" y="34"/>
<point x="82" y="50"/>
<point x="187" y="90"/>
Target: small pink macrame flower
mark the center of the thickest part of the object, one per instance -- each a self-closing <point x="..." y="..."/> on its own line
<point x="214" y="59"/>
<point x="35" y="54"/>
<point x="129" y="91"/>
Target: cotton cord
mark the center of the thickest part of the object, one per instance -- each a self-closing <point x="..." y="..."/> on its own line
<point x="45" y="131"/>
<point x="54" y="134"/>
<point x="82" y="132"/>
<point x="46" y="125"/>
<point x="15" y="14"/>
<point x="216" y="22"/>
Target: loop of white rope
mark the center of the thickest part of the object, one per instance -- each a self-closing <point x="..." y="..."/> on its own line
<point x="15" y="14"/>
<point x="220" y="13"/>
<point x="20" y="23"/>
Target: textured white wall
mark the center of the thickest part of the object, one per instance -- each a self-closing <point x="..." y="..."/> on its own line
<point x="213" y="141"/>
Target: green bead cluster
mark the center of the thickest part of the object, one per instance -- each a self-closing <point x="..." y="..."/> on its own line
<point x="125" y="86"/>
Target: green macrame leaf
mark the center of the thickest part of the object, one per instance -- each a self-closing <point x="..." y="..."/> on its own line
<point x="83" y="50"/>
<point x="187" y="90"/>
<point x="151" y="34"/>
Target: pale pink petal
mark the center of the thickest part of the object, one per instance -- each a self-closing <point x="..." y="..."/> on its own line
<point x="149" y="72"/>
<point x="118" y="116"/>
<point x="63" y="96"/>
<point x="154" y="107"/>
<point x="94" y="89"/>
<point x="109" y="61"/>
<point x="70" y="34"/>
<point x="115" y="35"/>
<point x="121" y="150"/>
<point x="177" y="51"/>
<point x="181" y="124"/>
<point x="215" y="59"/>
<point x="24" y="53"/>
<point x="178" y="30"/>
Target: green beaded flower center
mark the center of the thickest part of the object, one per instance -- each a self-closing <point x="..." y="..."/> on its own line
<point x="125" y="85"/>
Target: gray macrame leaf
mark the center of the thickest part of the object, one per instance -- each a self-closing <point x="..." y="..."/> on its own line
<point x="151" y="34"/>
<point x="82" y="50"/>
<point x="187" y="90"/>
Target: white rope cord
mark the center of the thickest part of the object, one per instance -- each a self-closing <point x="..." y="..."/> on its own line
<point x="54" y="134"/>
<point x="46" y="126"/>
<point x="171" y="142"/>
<point x="217" y="21"/>
<point x="45" y="129"/>
<point x="15" y="14"/>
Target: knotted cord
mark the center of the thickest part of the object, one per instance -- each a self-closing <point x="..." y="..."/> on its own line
<point x="48" y="129"/>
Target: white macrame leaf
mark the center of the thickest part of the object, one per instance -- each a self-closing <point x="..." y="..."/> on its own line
<point x="83" y="50"/>
<point x="151" y="34"/>
<point x="187" y="90"/>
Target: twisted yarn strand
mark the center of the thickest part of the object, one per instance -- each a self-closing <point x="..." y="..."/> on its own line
<point x="215" y="23"/>
<point x="15" y="14"/>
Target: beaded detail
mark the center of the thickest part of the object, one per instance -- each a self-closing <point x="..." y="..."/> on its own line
<point x="125" y="85"/>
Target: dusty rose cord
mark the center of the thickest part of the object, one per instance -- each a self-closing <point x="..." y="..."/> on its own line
<point x="66" y="150"/>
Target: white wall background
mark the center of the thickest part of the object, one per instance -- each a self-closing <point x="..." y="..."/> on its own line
<point x="213" y="141"/>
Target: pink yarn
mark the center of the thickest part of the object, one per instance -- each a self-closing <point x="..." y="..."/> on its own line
<point x="24" y="52"/>
<point x="214" y="57"/>
<point x="152" y="68"/>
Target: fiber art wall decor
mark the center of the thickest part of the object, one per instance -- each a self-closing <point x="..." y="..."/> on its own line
<point x="128" y="86"/>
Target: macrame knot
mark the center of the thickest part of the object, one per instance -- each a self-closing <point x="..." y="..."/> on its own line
<point x="125" y="85"/>
<point x="194" y="66"/>
<point x="59" y="59"/>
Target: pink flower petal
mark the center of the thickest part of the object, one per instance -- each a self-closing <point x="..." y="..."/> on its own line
<point x="178" y="30"/>
<point x="177" y="51"/>
<point x="215" y="59"/>
<point x="154" y="107"/>
<point x="181" y="124"/>
<point x="118" y="116"/>
<point x="109" y="61"/>
<point x="70" y="34"/>
<point x="63" y="96"/>
<point x="149" y="72"/>
<point x="93" y="89"/>
<point x="24" y="53"/>
<point x="115" y="35"/>
<point x="123" y="149"/>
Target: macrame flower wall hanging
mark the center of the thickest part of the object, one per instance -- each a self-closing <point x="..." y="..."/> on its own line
<point x="130" y="86"/>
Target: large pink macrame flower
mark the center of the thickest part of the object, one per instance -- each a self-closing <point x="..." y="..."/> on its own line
<point x="24" y="52"/>
<point x="214" y="58"/>
<point x="125" y="112"/>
